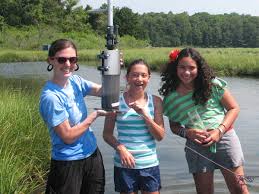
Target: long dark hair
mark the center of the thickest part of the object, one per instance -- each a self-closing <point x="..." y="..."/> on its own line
<point x="59" y="45"/>
<point x="202" y="83"/>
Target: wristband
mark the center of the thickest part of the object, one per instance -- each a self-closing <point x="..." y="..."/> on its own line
<point x="182" y="132"/>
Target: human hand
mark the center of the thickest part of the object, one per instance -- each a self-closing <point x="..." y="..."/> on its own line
<point x="101" y="112"/>
<point x="214" y="136"/>
<point x="197" y="135"/>
<point x="127" y="160"/>
<point x="139" y="108"/>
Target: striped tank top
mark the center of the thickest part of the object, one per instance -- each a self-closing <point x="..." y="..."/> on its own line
<point x="134" y="134"/>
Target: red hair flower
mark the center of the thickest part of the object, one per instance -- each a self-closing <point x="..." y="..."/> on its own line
<point x="173" y="55"/>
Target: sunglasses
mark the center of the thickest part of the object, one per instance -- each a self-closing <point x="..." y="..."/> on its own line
<point x="63" y="60"/>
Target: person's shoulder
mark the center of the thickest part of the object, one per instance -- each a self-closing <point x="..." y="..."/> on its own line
<point x="49" y="95"/>
<point x="75" y="78"/>
<point x="219" y="82"/>
<point x="80" y="80"/>
<point x="170" y="95"/>
<point x="48" y="88"/>
<point x="49" y="91"/>
<point x="157" y="99"/>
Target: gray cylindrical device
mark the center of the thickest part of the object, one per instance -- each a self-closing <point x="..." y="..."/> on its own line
<point x="110" y="78"/>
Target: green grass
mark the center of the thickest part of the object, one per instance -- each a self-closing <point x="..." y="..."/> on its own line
<point x="225" y="61"/>
<point x="233" y="61"/>
<point x="24" y="142"/>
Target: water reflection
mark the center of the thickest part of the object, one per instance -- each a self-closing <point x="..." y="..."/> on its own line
<point x="174" y="173"/>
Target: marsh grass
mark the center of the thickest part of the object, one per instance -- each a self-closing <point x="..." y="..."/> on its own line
<point x="225" y="61"/>
<point x="24" y="142"/>
<point x="233" y="61"/>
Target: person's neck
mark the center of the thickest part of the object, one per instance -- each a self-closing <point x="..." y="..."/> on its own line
<point x="135" y="96"/>
<point x="61" y="82"/>
<point x="187" y="87"/>
<point x="184" y="89"/>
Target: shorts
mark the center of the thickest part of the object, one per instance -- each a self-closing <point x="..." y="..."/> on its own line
<point x="229" y="154"/>
<point x="84" y="176"/>
<point x="128" y="180"/>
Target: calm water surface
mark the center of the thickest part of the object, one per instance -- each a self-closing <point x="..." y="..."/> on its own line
<point x="174" y="171"/>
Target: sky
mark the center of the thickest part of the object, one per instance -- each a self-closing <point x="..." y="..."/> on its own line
<point x="250" y="7"/>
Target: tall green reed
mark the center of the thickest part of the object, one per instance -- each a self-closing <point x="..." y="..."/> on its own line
<point x="24" y="143"/>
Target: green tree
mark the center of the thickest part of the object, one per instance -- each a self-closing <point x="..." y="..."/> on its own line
<point x="196" y="30"/>
<point x="2" y="23"/>
<point x="251" y="32"/>
<point x="98" y="21"/>
<point x="128" y="22"/>
<point x="183" y="27"/>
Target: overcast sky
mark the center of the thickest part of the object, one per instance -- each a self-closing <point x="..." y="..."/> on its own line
<point x="190" y="6"/>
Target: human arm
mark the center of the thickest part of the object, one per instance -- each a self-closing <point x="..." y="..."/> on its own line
<point x="69" y="134"/>
<point x="96" y="90"/>
<point x="126" y="157"/>
<point x="232" y="110"/>
<point x="196" y="135"/>
<point x="156" y="125"/>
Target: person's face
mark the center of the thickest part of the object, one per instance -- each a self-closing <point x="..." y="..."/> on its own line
<point x="138" y="77"/>
<point x="64" y="62"/>
<point x="187" y="70"/>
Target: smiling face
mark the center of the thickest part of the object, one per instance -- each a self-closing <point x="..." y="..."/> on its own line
<point x="63" y="69"/>
<point x="187" y="70"/>
<point x="138" y="77"/>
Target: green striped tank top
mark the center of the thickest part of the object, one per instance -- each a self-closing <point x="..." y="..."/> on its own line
<point x="134" y="134"/>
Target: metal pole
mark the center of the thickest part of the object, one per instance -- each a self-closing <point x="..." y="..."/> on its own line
<point x="110" y="13"/>
<point x="110" y="67"/>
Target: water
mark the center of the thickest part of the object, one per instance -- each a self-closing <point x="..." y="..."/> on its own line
<point x="174" y="171"/>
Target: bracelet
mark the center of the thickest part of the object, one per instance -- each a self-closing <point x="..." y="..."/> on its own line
<point x="223" y="126"/>
<point x="182" y="132"/>
<point x="221" y="132"/>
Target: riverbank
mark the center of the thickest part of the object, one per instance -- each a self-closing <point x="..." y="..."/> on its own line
<point x="225" y="61"/>
<point x="25" y="144"/>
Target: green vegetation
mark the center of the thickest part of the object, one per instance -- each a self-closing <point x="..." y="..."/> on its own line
<point x="25" y="26"/>
<point x="32" y="38"/>
<point x="24" y="145"/>
<point x="149" y="36"/>
<point x="233" y="61"/>
<point x="225" y="61"/>
<point x="45" y="20"/>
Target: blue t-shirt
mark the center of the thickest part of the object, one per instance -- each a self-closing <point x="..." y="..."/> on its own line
<point x="58" y="104"/>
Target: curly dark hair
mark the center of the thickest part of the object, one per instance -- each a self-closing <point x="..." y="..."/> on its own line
<point x="202" y="83"/>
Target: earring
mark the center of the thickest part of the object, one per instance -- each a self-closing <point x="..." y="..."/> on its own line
<point x="77" y="67"/>
<point x="50" y="67"/>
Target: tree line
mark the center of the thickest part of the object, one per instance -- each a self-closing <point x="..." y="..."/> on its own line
<point x="159" y="29"/>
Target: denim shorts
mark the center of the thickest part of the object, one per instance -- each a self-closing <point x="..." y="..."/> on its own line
<point x="128" y="180"/>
